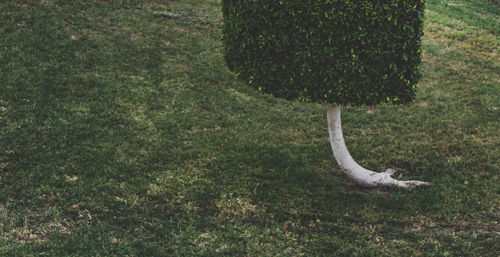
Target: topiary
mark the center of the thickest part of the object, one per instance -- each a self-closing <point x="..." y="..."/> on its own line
<point x="340" y="52"/>
<point x="334" y="51"/>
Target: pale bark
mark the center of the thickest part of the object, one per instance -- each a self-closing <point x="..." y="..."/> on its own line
<point x="358" y="174"/>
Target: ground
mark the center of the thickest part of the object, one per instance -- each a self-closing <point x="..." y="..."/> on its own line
<point x="122" y="132"/>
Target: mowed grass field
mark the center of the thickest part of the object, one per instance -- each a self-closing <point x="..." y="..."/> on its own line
<point x="123" y="133"/>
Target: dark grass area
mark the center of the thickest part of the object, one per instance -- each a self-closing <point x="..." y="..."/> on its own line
<point x="123" y="133"/>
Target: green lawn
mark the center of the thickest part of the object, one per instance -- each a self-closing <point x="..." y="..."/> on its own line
<point x="123" y="133"/>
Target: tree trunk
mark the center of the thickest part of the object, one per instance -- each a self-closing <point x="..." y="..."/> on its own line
<point x="360" y="175"/>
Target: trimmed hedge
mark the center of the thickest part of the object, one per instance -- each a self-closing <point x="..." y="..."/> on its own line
<point x="337" y="51"/>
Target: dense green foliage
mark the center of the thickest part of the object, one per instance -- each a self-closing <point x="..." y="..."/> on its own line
<point x="336" y="51"/>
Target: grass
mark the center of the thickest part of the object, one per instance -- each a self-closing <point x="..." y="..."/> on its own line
<point x="122" y="133"/>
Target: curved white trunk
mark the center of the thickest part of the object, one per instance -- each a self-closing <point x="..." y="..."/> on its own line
<point x="360" y="175"/>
